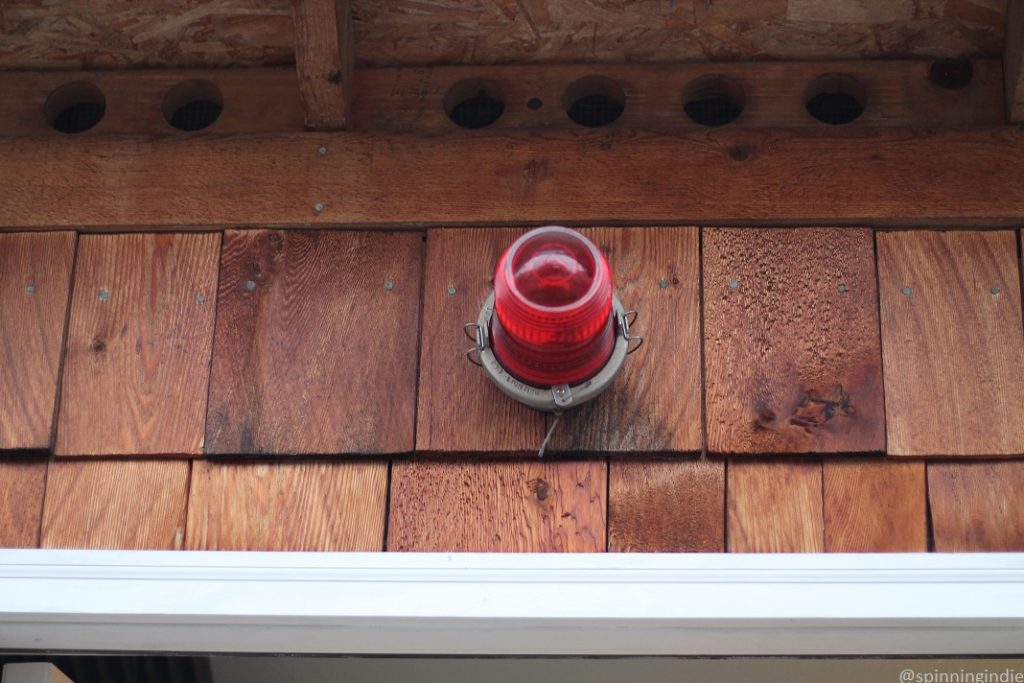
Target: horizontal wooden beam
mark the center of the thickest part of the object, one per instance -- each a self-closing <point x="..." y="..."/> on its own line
<point x="895" y="177"/>
<point x="772" y="95"/>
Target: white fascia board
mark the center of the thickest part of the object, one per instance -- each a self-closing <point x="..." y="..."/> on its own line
<point x="504" y="604"/>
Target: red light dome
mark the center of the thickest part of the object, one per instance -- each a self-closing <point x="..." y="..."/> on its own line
<point x="553" y="320"/>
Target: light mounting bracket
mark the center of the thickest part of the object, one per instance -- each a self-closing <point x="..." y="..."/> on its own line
<point x="560" y="397"/>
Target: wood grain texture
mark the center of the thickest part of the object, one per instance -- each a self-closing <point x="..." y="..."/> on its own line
<point x="774" y="506"/>
<point x="977" y="506"/>
<point x="254" y="100"/>
<point x="138" y="345"/>
<point x="535" y="506"/>
<point x="1013" y="61"/>
<point x="953" y="347"/>
<point x="313" y="352"/>
<point x="449" y="31"/>
<point x="791" y="342"/>
<point x="35" y="274"/>
<point x="164" y="33"/>
<point x="412" y="99"/>
<point x="105" y="34"/>
<point x="654" y="405"/>
<point x="117" y="504"/>
<point x="22" y="483"/>
<point x="287" y="506"/>
<point x="323" y="61"/>
<point x="666" y="507"/>
<point x="580" y="177"/>
<point x="874" y="506"/>
<point x="459" y="409"/>
<point x="773" y="94"/>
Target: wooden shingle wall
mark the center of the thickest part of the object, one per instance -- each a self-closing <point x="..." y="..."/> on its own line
<point x="811" y="389"/>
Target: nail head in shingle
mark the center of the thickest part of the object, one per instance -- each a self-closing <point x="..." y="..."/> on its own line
<point x="995" y="289"/>
<point x="200" y="299"/>
<point x="734" y="284"/>
<point x="389" y="285"/>
<point x="451" y="290"/>
<point x="318" y="207"/>
<point x="250" y="285"/>
<point x="104" y="295"/>
<point x="322" y="150"/>
<point x="842" y="288"/>
<point x="906" y="291"/>
<point x="663" y="283"/>
<point x="30" y="289"/>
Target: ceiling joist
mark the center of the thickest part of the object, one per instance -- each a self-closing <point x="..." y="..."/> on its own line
<point x="323" y="61"/>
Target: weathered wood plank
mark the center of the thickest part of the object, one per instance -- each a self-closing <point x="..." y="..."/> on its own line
<point x="952" y="343"/>
<point x="254" y="100"/>
<point x="654" y="406"/>
<point x="589" y="177"/>
<point x="413" y="99"/>
<point x="666" y="507"/>
<point x="35" y="274"/>
<point x="323" y="61"/>
<point x="459" y="409"/>
<point x="123" y="504"/>
<point x="1013" y="61"/>
<point x="311" y="326"/>
<point x="977" y="506"/>
<point x="774" y="506"/>
<point x="22" y="482"/>
<point x="791" y="342"/>
<point x="287" y="506"/>
<point x="138" y="345"/>
<point x="773" y="94"/>
<point x="874" y="506"/>
<point x="535" y="506"/>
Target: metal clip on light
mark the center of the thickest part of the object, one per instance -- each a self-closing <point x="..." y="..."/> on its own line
<point x="563" y="335"/>
<point x="479" y="337"/>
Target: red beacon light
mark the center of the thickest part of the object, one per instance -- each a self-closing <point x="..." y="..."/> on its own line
<point x="553" y="335"/>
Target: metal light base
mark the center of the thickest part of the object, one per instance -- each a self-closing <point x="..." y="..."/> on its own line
<point x="562" y="396"/>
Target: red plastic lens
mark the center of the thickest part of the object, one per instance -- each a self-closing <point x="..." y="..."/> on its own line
<point x="552" y="304"/>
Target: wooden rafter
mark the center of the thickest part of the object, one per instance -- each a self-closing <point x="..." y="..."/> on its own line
<point x="874" y="177"/>
<point x="770" y="95"/>
<point x="323" y="60"/>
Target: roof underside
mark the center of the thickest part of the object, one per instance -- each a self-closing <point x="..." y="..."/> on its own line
<point x="106" y="34"/>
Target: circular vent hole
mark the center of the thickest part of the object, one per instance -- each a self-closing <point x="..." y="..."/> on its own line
<point x="192" y="105"/>
<point x="474" y="103"/>
<point x="594" y="101"/>
<point x="713" y="100"/>
<point x="835" y="99"/>
<point x="75" y="107"/>
<point x="951" y="74"/>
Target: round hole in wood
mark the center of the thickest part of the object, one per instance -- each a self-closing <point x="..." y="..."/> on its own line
<point x="594" y="101"/>
<point x="951" y="74"/>
<point x="713" y="100"/>
<point x="474" y="103"/>
<point x="75" y="107"/>
<point x="835" y="98"/>
<point x="192" y="105"/>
